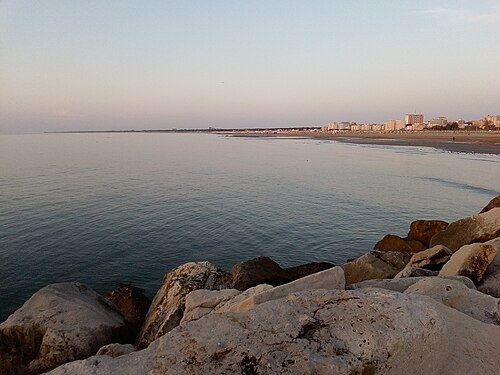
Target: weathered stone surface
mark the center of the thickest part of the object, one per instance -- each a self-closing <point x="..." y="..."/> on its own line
<point x="319" y="332"/>
<point x="116" y="350"/>
<point x="332" y="278"/>
<point x="456" y="295"/>
<point x="470" y="260"/>
<point x="415" y="272"/>
<point x="477" y="228"/>
<point x="167" y="308"/>
<point x="260" y="270"/>
<point x="401" y="284"/>
<point x="58" y="324"/>
<point x="132" y="304"/>
<point x="424" y="230"/>
<point x="495" y="202"/>
<point x="490" y="283"/>
<point x="391" y="242"/>
<point x="304" y="270"/>
<point x="375" y="265"/>
<point x="202" y="302"/>
<point x="431" y="259"/>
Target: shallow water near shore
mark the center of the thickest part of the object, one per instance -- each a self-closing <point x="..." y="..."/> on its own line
<point x="107" y="208"/>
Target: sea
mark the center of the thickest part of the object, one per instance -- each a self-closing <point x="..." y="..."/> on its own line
<point x="104" y="208"/>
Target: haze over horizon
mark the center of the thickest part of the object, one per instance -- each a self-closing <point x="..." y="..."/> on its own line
<point x="93" y="65"/>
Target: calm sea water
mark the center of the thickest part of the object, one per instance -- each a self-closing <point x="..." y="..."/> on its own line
<point x="107" y="208"/>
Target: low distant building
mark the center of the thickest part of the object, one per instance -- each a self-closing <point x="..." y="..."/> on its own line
<point x="438" y="121"/>
<point x="394" y="125"/>
<point x="414" y="118"/>
<point x="493" y="120"/>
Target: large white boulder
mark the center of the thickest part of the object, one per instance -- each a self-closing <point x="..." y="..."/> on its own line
<point x="369" y="331"/>
<point x="58" y="324"/>
<point x="490" y="283"/>
<point x="167" y="309"/>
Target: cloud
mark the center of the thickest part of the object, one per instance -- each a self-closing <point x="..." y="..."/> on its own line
<point x="467" y="15"/>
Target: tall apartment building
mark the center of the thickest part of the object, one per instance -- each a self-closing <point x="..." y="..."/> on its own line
<point x="413" y="118"/>
<point x="394" y="125"/>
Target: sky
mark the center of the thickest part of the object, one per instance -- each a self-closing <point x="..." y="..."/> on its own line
<point x="120" y="64"/>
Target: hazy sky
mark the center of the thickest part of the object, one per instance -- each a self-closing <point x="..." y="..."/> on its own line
<point x="93" y="64"/>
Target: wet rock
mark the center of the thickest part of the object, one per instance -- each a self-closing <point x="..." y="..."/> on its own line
<point x="495" y="202"/>
<point x="167" y="308"/>
<point x="471" y="261"/>
<point x="369" y="331"/>
<point x="391" y="242"/>
<point x="375" y="265"/>
<point x="58" y="324"/>
<point x="116" y="350"/>
<point x="260" y="270"/>
<point x="304" y="270"/>
<point x="424" y="230"/>
<point x="490" y="283"/>
<point x="132" y="304"/>
<point x="472" y="229"/>
<point x="456" y="295"/>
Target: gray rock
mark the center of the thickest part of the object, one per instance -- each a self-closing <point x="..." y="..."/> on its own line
<point x="477" y="228"/>
<point x="167" y="308"/>
<point x="58" y="324"/>
<point x="116" y="350"/>
<point x="471" y="260"/>
<point x="415" y="272"/>
<point x="490" y="283"/>
<point x="202" y="302"/>
<point x="456" y="295"/>
<point x="375" y="265"/>
<point x="432" y="259"/>
<point x="369" y="331"/>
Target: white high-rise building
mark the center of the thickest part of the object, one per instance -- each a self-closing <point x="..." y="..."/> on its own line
<point x="414" y="118"/>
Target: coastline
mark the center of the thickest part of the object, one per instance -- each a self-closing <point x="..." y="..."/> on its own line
<point x="459" y="142"/>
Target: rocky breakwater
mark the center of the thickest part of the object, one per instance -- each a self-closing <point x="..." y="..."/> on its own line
<point x="427" y="303"/>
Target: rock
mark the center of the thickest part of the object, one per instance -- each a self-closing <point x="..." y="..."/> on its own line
<point x="495" y="202"/>
<point x="401" y="284"/>
<point x="167" y="308"/>
<point x="431" y="259"/>
<point x="456" y="295"/>
<point x="471" y="261"/>
<point x="58" y="324"/>
<point x="132" y="304"/>
<point x="472" y="229"/>
<point x="424" y="230"/>
<point x="391" y="242"/>
<point x="490" y="283"/>
<point x="202" y="302"/>
<point x="260" y="270"/>
<point x="415" y="272"/>
<point x="304" y="270"/>
<point x="332" y="278"/>
<point x="375" y="265"/>
<point x="369" y="331"/>
<point x="116" y="350"/>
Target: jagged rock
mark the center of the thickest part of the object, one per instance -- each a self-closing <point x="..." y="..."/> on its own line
<point x="495" y="202"/>
<point x="260" y="270"/>
<point x="490" y="283"/>
<point x="167" y="308"/>
<point x="202" y="302"/>
<point x="375" y="265"/>
<point x="116" y="350"/>
<point x="471" y="261"/>
<point x="456" y="295"/>
<point x="401" y="284"/>
<point x="369" y="331"/>
<point x="431" y="259"/>
<point x="476" y="228"/>
<point x="132" y="304"/>
<point x="304" y="270"/>
<point x="58" y="324"/>
<point x="391" y="242"/>
<point x="424" y="230"/>
<point x="415" y="272"/>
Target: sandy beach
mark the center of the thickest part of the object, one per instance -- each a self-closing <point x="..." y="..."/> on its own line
<point x="453" y="141"/>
